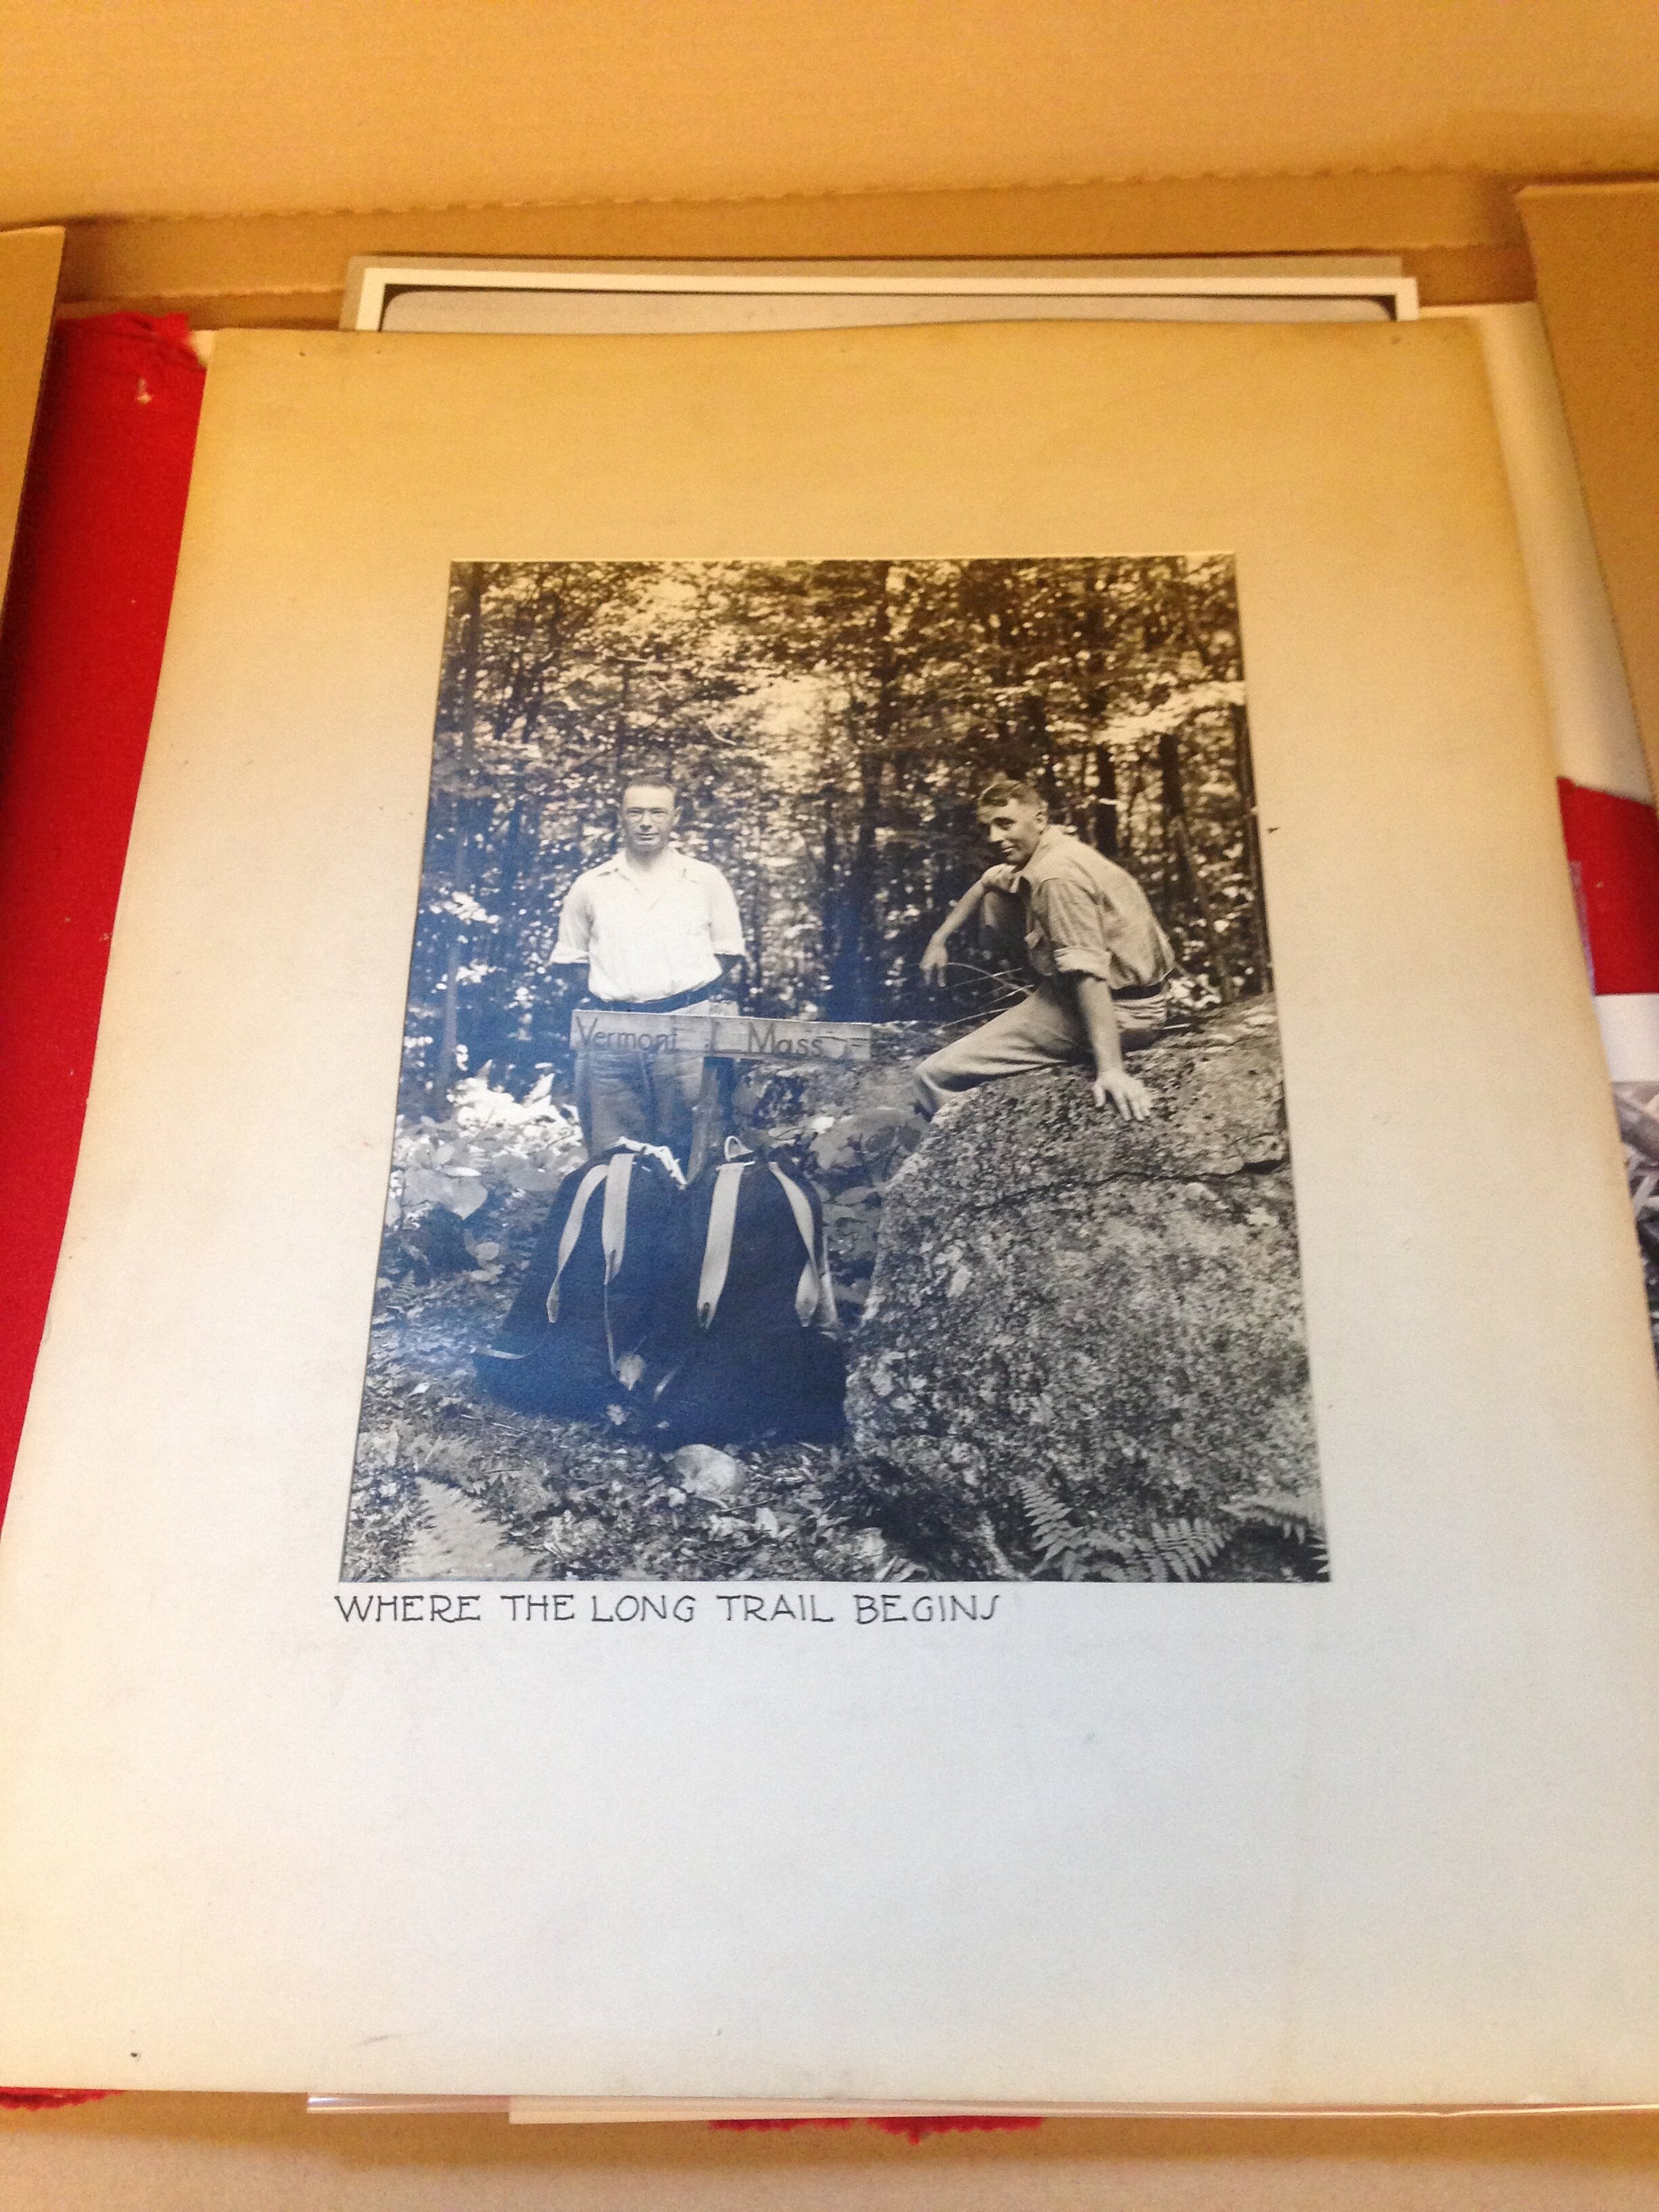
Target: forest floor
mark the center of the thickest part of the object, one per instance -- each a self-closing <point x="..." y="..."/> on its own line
<point x="573" y="1500"/>
<point x="450" y="1483"/>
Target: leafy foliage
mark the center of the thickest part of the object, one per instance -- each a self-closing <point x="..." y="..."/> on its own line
<point x="830" y="723"/>
<point x="577" y="1502"/>
<point x="1055" y="1534"/>
<point x="1638" y="1125"/>
<point x="1182" y="1550"/>
<point x="1287" y="1514"/>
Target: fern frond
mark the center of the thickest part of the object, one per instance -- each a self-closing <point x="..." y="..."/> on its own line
<point x="894" y="1568"/>
<point x="1168" y="1551"/>
<point x="1181" y="1551"/>
<point x="1286" y="1513"/>
<point x="1285" y="1510"/>
<point x="1188" y="1548"/>
<point x="1051" y="1525"/>
<point x="1138" y="1558"/>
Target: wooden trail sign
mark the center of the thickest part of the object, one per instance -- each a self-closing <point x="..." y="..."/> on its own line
<point x="720" y="1039"/>
<point x="723" y="1036"/>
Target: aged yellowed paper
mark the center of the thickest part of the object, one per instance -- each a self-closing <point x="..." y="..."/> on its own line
<point x="1385" y="1838"/>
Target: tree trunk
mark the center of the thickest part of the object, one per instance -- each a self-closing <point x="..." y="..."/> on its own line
<point x="443" y="1072"/>
<point x="759" y="907"/>
<point x="858" y="922"/>
<point x="1206" y="915"/>
<point x="622" y="718"/>
<point x="1178" y="842"/>
<point x="493" y="1024"/>
<point x="1244" y="771"/>
<point x="1105" y="802"/>
<point x="1172" y="809"/>
<point x="1039" y="756"/>
<point x="1105" y="823"/>
<point x="856" y="915"/>
<point x="830" y="897"/>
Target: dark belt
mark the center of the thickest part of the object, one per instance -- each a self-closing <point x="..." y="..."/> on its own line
<point x="1139" y="990"/>
<point x="654" y="1005"/>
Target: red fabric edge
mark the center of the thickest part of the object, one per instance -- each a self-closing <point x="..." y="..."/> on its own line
<point x="80" y="655"/>
<point x="50" y="2100"/>
<point x="81" y="642"/>
<point x="1612" y="850"/>
<point x="911" y="2128"/>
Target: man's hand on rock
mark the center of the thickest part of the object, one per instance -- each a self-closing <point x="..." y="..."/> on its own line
<point x="1126" y="1092"/>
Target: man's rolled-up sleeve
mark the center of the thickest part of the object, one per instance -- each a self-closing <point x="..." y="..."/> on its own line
<point x="576" y="929"/>
<point x="724" y="922"/>
<point x="1077" y="928"/>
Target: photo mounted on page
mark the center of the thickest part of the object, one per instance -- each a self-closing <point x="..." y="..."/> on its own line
<point x="841" y="1133"/>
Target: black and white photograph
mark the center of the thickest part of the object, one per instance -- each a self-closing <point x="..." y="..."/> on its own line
<point x="841" y="1133"/>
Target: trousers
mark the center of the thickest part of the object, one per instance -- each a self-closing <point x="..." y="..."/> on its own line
<point x="1045" y="1029"/>
<point x="649" y="1097"/>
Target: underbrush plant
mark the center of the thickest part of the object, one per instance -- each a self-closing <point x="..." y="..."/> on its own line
<point x="1184" y="1549"/>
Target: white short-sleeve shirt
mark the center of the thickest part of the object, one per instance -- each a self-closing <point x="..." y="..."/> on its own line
<point x="649" y="932"/>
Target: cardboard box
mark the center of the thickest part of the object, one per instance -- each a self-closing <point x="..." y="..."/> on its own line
<point x="28" y="284"/>
<point x="1450" y="211"/>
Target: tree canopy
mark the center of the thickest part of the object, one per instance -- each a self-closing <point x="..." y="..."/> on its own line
<point x="830" y="723"/>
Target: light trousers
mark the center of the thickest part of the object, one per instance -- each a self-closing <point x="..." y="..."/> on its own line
<point x="648" y="1098"/>
<point x="1045" y="1029"/>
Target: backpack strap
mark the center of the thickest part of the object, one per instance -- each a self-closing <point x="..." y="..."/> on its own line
<point x="660" y="1153"/>
<point x="815" y="1294"/>
<point x="613" y="1222"/>
<point x="613" y="1232"/>
<point x="572" y="1230"/>
<point x="717" y="1244"/>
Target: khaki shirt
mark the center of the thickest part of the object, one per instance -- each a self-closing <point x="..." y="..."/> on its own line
<point x="1086" y="916"/>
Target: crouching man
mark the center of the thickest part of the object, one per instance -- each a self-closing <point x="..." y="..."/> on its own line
<point x="1101" y="962"/>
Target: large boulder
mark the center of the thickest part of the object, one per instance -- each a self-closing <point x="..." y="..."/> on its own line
<point x="1084" y="1343"/>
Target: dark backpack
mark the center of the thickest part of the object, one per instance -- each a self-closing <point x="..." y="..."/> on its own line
<point x="746" y="1343"/>
<point x="588" y="1291"/>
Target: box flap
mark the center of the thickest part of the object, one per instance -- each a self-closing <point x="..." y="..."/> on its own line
<point x="29" y="261"/>
<point x="1597" y="250"/>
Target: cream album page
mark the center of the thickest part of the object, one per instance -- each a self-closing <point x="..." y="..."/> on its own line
<point x="850" y="1313"/>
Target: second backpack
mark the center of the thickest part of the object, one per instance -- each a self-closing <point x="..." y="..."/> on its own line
<point x="589" y="1290"/>
<point x="746" y="1344"/>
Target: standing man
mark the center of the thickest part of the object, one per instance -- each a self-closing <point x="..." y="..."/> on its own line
<point x="1101" y="962"/>
<point x="650" y="931"/>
